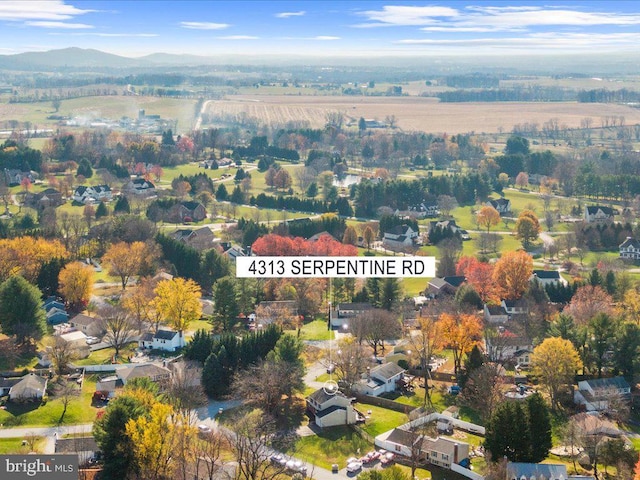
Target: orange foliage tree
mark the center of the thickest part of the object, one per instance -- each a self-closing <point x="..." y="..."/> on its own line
<point x="488" y="217"/>
<point x="460" y="333"/>
<point x="512" y="273"/>
<point x="127" y="259"/>
<point x="278" y="245"/>
<point x="480" y="276"/>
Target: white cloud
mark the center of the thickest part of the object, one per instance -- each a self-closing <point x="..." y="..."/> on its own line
<point x="238" y="37"/>
<point x="324" y="37"/>
<point x="204" y="25"/>
<point x="109" y="35"/>
<point x="63" y="25"/>
<point x="398" y="15"/>
<point x="290" y="14"/>
<point x="54" y="10"/>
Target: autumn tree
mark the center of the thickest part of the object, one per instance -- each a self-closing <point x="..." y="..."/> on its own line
<point x="282" y="179"/>
<point x="25" y="256"/>
<point x="480" y="276"/>
<point x="460" y="333"/>
<point x="522" y="180"/>
<point x="76" y="284"/>
<point x="587" y="302"/>
<point x="139" y="302"/>
<point x="527" y="228"/>
<point x="21" y="312"/>
<point x="368" y="236"/>
<point x="61" y="353"/>
<point x="487" y="217"/>
<point x="178" y="301"/>
<point x="350" y="236"/>
<point x="126" y="259"/>
<point x="511" y="274"/>
<point x="350" y="360"/>
<point x="555" y="362"/>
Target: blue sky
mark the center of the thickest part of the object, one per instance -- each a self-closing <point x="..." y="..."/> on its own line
<point x="321" y="28"/>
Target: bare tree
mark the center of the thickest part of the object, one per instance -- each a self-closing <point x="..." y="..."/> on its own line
<point x="375" y="326"/>
<point x="446" y="204"/>
<point x="184" y="390"/>
<point x="119" y="325"/>
<point x="483" y="391"/>
<point x="424" y="342"/>
<point x="208" y="456"/>
<point x="250" y="441"/>
<point x="61" y="353"/>
<point x="350" y="360"/>
<point x="66" y="391"/>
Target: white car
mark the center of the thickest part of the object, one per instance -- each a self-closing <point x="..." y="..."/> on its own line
<point x="204" y="429"/>
<point x="354" y="467"/>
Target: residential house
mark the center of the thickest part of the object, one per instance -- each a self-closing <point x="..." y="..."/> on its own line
<point x="53" y="302"/>
<point x="49" y="197"/>
<point x="425" y="210"/>
<point x="599" y="214"/>
<point x="344" y="312"/>
<point x="6" y="384"/>
<point x="30" y="388"/>
<point x="547" y="277"/>
<point x="630" y="249"/>
<point x="330" y="408"/>
<point x="140" y="186"/>
<point x="56" y="316"/>
<point x="444" y="286"/>
<point x="163" y="339"/>
<point x="92" y="194"/>
<point x="108" y="386"/>
<point x="15" y="177"/>
<point x="502" y="205"/>
<point x="450" y="224"/>
<point x="537" y="471"/>
<point x="508" y="347"/>
<point x="440" y="451"/>
<point x="84" y="447"/>
<point x="90" y="326"/>
<point x="78" y="340"/>
<point x="515" y="307"/>
<point x="596" y="395"/>
<point x="187" y="212"/>
<point x="381" y="379"/>
<point x="233" y="251"/>
<point x="495" y="314"/>
<point x="201" y="238"/>
<point x="400" y="236"/>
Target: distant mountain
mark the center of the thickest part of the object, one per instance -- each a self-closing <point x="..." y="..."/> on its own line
<point x="68" y="57"/>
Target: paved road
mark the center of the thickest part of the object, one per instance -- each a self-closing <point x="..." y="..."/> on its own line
<point x="49" y="433"/>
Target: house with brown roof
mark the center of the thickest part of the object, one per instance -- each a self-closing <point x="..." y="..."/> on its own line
<point x="198" y="238"/>
<point x="49" y="197"/>
<point x="187" y="212"/>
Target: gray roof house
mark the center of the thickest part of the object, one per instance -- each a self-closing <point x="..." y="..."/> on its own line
<point x="630" y="249"/>
<point x="31" y="387"/>
<point x="596" y="394"/>
<point x="381" y="379"/>
<point x="539" y="471"/>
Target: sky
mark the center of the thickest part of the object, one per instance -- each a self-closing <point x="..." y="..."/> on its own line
<point x="321" y="27"/>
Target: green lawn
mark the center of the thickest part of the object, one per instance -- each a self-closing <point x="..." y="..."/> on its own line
<point x="331" y="445"/>
<point x="78" y="411"/>
<point x="104" y="356"/>
<point x="314" y="331"/>
<point x="381" y="419"/>
<point x="14" y="446"/>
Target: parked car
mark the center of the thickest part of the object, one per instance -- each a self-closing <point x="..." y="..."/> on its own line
<point x="334" y="468"/>
<point x="453" y="390"/>
<point x="387" y="458"/>
<point x="204" y="430"/>
<point x="92" y="340"/>
<point x="354" y="467"/>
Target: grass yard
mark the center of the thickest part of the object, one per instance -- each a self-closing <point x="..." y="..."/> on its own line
<point x="314" y="331"/>
<point x="381" y="419"/>
<point x="79" y="410"/>
<point x="331" y="445"/>
<point x="14" y="446"/>
<point x="104" y="356"/>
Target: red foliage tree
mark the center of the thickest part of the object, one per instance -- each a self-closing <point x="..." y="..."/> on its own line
<point x="278" y="245"/>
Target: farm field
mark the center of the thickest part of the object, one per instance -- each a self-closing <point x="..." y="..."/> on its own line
<point x="413" y="113"/>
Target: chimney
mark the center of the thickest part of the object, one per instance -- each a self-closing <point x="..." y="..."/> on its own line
<point x="455" y="453"/>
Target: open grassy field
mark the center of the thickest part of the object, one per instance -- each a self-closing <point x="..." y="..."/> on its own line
<point x="413" y="113"/>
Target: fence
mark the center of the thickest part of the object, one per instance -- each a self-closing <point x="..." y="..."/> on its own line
<point x="466" y="472"/>
<point x="384" y="403"/>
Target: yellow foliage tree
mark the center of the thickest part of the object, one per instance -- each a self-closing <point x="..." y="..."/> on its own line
<point x="527" y="227"/>
<point x="488" y="217"/>
<point x="555" y="362"/>
<point x="512" y="273"/>
<point x="126" y="259"/>
<point x="153" y="440"/>
<point x="178" y="302"/>
<point x="26" y="255"/>
<point x="76" y="284"/>
<point x="460" y="333"/>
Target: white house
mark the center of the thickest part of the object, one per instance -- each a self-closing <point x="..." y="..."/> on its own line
<point x="502" y="205"/>
<point x="381" y="379"/>
<point x="595" y="395"/>
<point x="630" y="249"/>
<point x="515" y="307"/>
<point x="547" y="277"/>
<point x="78" y="341"/>
<point x="495" y="314"/>
<point x="330" y="408"/>
<point x="92" y="194"/>
<point x="400" y="236"/>
<point x="599" y="214"/>
<point x="140" y="186"/>
<point x="167" y="340"/>
<point x="509" y="347"/>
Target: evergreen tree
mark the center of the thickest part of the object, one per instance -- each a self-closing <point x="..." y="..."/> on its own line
<point x="122" y="205"/>
<point x="226" y="304"/>
<point x="84" y="169"/>
<point x="390" y="293"/>
<point x="102" y="210"/>
<point x="221" y="193"/>
<point x="312" y="190"/>
<point x="200" y="346"/>
<point x="48" y="275"/>
<point x="21" y="312"/>
<point x="237" y="196"/>
<point x="539" y="428"/>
